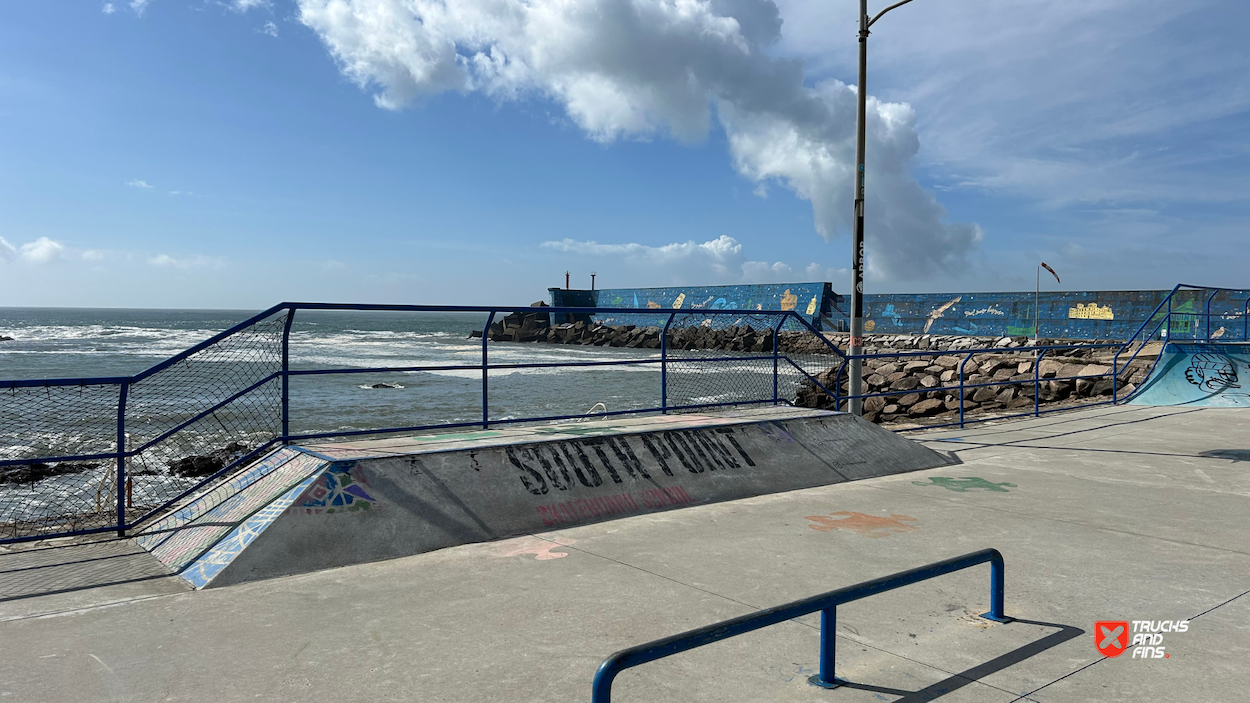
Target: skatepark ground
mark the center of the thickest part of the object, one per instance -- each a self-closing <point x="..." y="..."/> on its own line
<point x="1113" y="513"/>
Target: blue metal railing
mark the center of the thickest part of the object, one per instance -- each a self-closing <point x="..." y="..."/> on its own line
<point x="1169" y="318"/>
<point x="126" y="447"/>
<point x="826" y="603"/>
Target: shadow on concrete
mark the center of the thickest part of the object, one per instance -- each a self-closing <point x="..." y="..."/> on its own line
<point x="1233" y="455"/>
<point x="963" y="678"/>
<point x="41" y="571"/>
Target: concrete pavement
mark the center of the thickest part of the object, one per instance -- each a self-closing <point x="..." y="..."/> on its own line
<point x="1112" y="513"/>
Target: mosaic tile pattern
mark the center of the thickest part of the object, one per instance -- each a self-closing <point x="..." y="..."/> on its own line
<point x="339" y="489"/>
<point x="188" y="542"/>
<point x="202" y="570"/>
<point x="158" y="532"/>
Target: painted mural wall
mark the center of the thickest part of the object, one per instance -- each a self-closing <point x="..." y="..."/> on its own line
<point x="1109" y="315"/>
<point x="811" y="300"/>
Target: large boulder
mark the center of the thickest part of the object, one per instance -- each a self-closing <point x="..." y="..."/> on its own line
<point x="931" y="406"/>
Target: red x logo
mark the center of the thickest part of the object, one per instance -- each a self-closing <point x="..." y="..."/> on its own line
<point x="1111" y="637"/>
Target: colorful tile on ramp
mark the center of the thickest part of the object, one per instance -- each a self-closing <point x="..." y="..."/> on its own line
<point x="1201" y="375"/>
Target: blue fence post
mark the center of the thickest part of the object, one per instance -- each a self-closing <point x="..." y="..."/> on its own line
<point x="664" y="364"/>
<point x="1245" y="320"/>
<point x="1207" y="313"/>
<point x="490" y="319"/>
<point x="777" y="355"/>
<point x="122" y="395"/>
<point x="828" y="632"/>
<point x="286" y="377"/>
<point x="998" y="578"/>
<point x="966" y="359"/>
<point x="1037" y="385"/>
<point x="1167" y="326"/>
<point x="837" y="385"/>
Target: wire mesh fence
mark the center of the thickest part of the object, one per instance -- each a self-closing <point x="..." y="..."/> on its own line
<point x="188" y="421"/>
<point x="183" y="422"/>
<point x="38" y="424"/>
<point x="726" y="360"/>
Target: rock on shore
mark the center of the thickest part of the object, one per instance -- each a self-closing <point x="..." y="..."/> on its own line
<point x="926" y="387"/>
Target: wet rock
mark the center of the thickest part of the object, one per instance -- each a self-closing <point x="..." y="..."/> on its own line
<point x="208" y="464"/>
<point x="38" y="470"/>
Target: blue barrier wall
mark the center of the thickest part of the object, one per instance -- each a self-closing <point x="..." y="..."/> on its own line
<point x="811" y="300"/>
<point x="1066" y="315"/>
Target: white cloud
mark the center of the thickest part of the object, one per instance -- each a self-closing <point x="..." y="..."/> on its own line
<point x="138" y="184"/>
<point x="197" y="261"/>
<point x="139" y="6"/>
<point x="40" y="251"/>
<point x="108" y="8"/>
<point x="8" y="252"/>
<point x="1063" y="102"/>
<point x="269" y="28"/>
<point x="717" y="260"/>
<point x="641" y="68"/>
<point x="245" y="5"/>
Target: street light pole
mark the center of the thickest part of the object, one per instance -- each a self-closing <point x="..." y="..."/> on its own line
<point x="857" y="241"/>
<point x="856" y="384"/>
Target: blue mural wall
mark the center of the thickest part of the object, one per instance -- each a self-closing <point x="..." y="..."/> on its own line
<point x="1107" y="315"/>
<point x="811" y="300"/>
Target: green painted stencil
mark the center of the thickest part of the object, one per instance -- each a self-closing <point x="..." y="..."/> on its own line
<point x="965" y="484"/>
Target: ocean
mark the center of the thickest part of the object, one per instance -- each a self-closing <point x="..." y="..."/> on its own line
<point x="81" y="343"/>
<point x="91" y="343"/>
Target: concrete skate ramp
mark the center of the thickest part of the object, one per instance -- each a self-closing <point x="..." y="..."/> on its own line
<point x="379" y="499"/>
<point x="1200" y="375"/>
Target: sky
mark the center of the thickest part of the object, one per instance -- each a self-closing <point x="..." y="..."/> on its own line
<point x="239" y="153"/>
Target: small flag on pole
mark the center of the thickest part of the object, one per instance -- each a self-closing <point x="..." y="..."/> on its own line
<point x="1052" y="272"/>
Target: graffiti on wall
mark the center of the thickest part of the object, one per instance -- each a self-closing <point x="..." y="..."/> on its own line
<point x="813" y="300"/>
<point x="341" y="488"/>
<point x="624" y="468"/>
<point x="1212" y="372"/>
<point x="1092" y="311"/>
<point x="590" y="462"/>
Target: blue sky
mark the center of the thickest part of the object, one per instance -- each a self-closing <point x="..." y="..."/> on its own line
<point x="181" y="153"/>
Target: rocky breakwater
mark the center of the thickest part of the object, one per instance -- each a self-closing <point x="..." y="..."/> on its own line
<point x="930" y="387"/>
<point x="538" y="327"/>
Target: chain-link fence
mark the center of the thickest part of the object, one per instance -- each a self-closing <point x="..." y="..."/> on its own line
<point x="726" y="360"/>
<point x="38" y="425"/>
<point x="184" y="423"/>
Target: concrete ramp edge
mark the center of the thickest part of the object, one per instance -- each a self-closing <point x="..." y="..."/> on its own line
<point x="373" y="508"/>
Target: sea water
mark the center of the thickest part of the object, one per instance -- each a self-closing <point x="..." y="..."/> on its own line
<point x="86" y="343"/>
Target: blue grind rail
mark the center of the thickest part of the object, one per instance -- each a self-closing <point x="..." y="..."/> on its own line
<point x="1184" y="315"/>
<point x="826" y="603"/>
